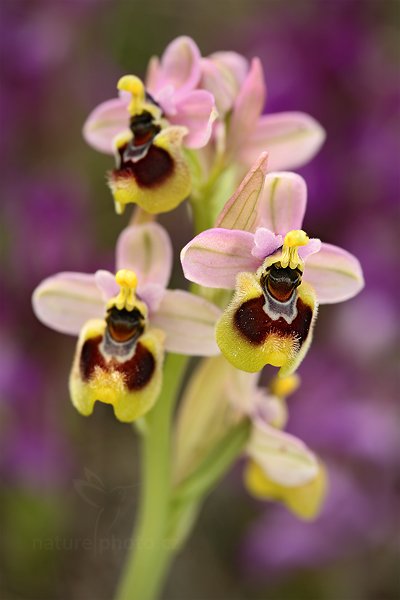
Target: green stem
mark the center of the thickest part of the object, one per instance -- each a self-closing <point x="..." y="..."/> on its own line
<point x="189" y="495"/>
<point x="201" y="216"/>
<point x="207" y="201"/>
<point x="150" y="554"/>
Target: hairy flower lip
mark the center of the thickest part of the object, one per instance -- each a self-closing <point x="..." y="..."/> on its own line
<point x="159" y="180"/>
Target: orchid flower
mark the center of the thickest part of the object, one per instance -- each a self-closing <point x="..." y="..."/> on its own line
<point x="125" y="323"/>
<point x="279" y="275"/>
<point x="279" y="465"/>
<point x="147" y="125"/>
<point x="239" y="89"/>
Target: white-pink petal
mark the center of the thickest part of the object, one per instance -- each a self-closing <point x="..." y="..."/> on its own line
<point x="106" y="283"/>
<point x="223" y="74"/>
<point x="313" y="246"/>
<point x="196" y="111"/>
<point x="284" y="458"/>
<point x="189" y="323"/>
<point x="165" y="98"/>
<point x="151" y="294"/>
<point x="152" y="74"/>
<point x="265" y="243"/>
<point x="105" y="122"/>
<point x="283" y="202"/>
<point x="247" y="109"/>
<point x="269" y="409"/>
<point x="65" y="302"/>
<point x="334" y="273"/>
<point x="215" y="257"/>
<point x="146" y="249"/>
<point x="244" y="210"/>
<point x="179" y="66"/>
<point x="290" y="138"/>
<point x="234" y="62"/>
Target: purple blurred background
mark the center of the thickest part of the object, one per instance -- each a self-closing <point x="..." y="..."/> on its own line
<point x="337" y="60"/>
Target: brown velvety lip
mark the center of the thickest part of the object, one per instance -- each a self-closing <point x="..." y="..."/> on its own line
<point x="255" y="325"/>
<point x="137" y="371"/>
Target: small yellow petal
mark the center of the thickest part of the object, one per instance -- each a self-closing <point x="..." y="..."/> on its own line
<point x="127" y="278"/>
<point x="127" y="299"/>
<point x="305" y="501"/>
<point x="296" y="237"/>
<point x="282" y="387"/>
<point x="138" y="104"/>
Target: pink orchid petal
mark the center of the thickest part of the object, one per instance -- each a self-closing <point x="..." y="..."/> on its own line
<point x="146" y="249"/>
<point x="189" y="323"/>
<point x="219" y="84"/>
<point x="247" y="109"/>
<point x="284" y="458"/>
<point x="125" y="96"/>
<point x="243" y="209"/>
<point x="66" y="301"/>
<point x="105" y="122"/>
<point x="196" y="111"/>
<point x="152" y="74"/>
<point x="179" y="66"/>
<point x="165" y="98"/>
<point x="151" y="294"/>
<point x="234" y="62"/>
<point x="290" y="138"/>
<point x="265" y="243"/>
<point x="313" y="246"/>
<point x="223" y="74"/>
<point x="269" y="409"/>
<point x="106" y="283"/>
<point x="241" y="390"/>
<point x="216" y="256"/>
<point x="283" y="202"/>
<point x="334" y="273"/>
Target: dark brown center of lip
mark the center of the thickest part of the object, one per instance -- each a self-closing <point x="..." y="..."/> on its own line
<point x="124" y="325"/>
<point x="143" y="128"/>
<point x="137" y="371"/>
<point x="280" y="283"/>
<point x="255" y="325"/>
<point x="144" y="131"/>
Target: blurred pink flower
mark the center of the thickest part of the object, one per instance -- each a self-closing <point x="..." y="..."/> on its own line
<point x="171" y="83"/>
<point x="291" y="138"/>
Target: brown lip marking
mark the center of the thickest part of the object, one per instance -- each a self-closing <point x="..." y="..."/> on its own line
<point x="143" y="128"/>
<point x="138" y="370"/>
<point x="124" y="325"/>
<point x="280" y="282"/>
<point x="150" y="171"/>
<point x="255" y="325"/>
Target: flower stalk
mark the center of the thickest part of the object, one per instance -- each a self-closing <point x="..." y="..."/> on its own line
<point x="150" y="552"/>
